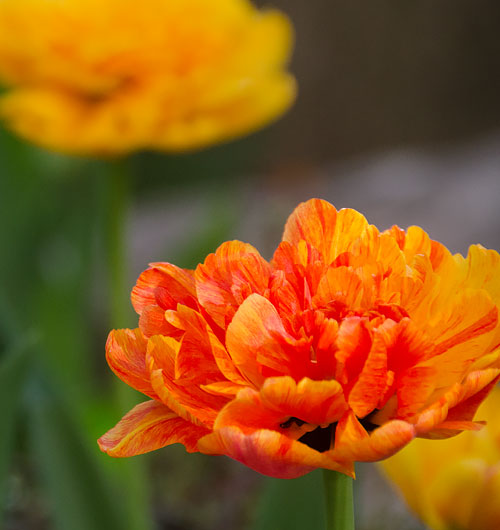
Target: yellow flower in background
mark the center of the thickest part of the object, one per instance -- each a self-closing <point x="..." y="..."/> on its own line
<point x="454" y="484"/>
<point x="107" y="77"/>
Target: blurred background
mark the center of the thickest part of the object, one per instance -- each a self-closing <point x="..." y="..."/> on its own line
<point x="398" y="116"/>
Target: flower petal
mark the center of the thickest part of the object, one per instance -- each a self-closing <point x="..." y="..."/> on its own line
<point x="152" y="322"/>
<point x="353" y="443"/>
<point x="308" y="403"/>
<point x="126" y="356"/>
<point x="330" y="232"/>
<point x="165" y="285"/>
<point x="149" y="426"/>
<point x="463" y="399"/>
<point x="463" y="335"/>
<point x="187" y="399"/>
<point x="256" y="336"/>
<point x="227" y="277"/>
<point x="339" y="285"/>
<point x="371" y="384"/>
<point x="269" y="453"/>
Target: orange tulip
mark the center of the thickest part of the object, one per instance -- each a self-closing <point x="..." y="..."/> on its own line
<point x="343" y="348"/>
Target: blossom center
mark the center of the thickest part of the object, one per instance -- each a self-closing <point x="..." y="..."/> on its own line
<point x="321" y="438"/>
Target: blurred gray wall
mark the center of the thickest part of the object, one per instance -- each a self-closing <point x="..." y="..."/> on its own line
<point x="374" y="74"/>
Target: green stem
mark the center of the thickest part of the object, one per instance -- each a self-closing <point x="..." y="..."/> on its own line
<point x="133" y="477"/>
<point x="120" y="313"/>
<point x="339" y="501"/>
<point x="117" y="207"/>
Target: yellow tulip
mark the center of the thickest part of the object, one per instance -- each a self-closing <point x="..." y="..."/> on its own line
<point x="94" y="77"/>
<point x="454" y="484"/>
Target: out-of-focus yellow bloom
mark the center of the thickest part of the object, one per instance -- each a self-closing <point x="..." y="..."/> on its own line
<point x="107" y="77"/>
<point x="454" y="484"/>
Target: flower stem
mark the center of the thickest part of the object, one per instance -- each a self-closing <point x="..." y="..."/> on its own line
<point x="132" y="474"/>
<point x="339" y="501"/>
<point x="117" y="207"/>
<point x="120" y="314"/>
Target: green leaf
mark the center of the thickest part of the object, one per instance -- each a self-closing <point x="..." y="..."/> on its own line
<point x="291" y="504"/>
<point x="79" y="495"/>
<point x="13" y="369"/>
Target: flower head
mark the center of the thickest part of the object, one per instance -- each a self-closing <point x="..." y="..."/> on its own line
<point x="93" y="77"/>
<point x="454" y="484"/>
<point x="343" y="348"/>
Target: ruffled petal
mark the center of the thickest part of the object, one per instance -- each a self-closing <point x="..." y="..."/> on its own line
<point x="164" y="285"/>
<point x="285" y="406"/>
<point x="354" y="342"/>
<point x="256" y="337"/>
<point x="152" y="322"/>
<point x="270" y="453"/>
<point x="330" y="232"/>
<point x="149" y="426"/>
<point x="371" y="384"/>
<point x="353" y="443"/>
<point x="457" y="404"/>
<point x="340" y="286"/>
<point x="126" y="356"/>
<point x="462" y="336"/>
<point x="482" y="271"/>
<point x="227" y="277"/>
<point x="317" y="402"/>
<point x="187" y="399"/>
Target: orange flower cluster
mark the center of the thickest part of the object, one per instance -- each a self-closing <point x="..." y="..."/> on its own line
<point x="343" y="348"/>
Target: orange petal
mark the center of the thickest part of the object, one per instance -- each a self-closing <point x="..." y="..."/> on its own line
<point x="201" y="356"/>
<point x="185" y="397"/>
<point x="416" y="242"/>
<point x="280" y="399"/>
<point x="152" y="322"/>
<point x="195" y="360"/>
<point x="165" y="285"/>
<point x="349" y="431"/>
<point x="330" y="232"/>
<point x="415" y="387"/>
<point x="149" y="426"/>
<point x="227" y="277"/>
<point x="483" y="266"/>
<point x="160" y="359"/>
<point x="223" y="388"/>
<point x="302" y="267"/>
<point x="477" y="316"/>
<point x="285" y="298"/>
<point x="371" y="384"/>
<point x="270" y="453"/>
<point x="354" y="343"/>
<point x="256" y="336"/>
<point x="352" y="442"/>
<point x="463" y="399"/>
<point x="377" y="254"/>
<point x="406" y="344"/>
<point x="179" y="401"/>
<point x="475" y="390"/>
<point x="339" y="284"/>
<point x="126" y="356"/>
<point x="317" y="402"/>
<point x="462" y="336"/>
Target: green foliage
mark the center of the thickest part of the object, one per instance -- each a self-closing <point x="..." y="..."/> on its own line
<point x="293" y="504"/>
<point x="79" y="496"/>
<point x="13" y="373"/>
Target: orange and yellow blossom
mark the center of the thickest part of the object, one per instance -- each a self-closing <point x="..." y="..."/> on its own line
<point x="454" y="484"/>
<point x="344" y="347"/>
<point x="105" y="78"/>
